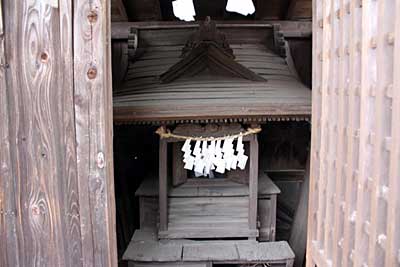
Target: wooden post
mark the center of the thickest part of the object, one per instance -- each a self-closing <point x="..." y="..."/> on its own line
<point x="179" y="174"/>
<point x="163" y="185"/>
<point x="253" y="182"/>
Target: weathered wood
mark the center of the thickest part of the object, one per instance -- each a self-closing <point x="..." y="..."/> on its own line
<point x="153" y="252"/>
<point x="207" y="51"/>
<point x="53" y="219"/>
<point x="273" y="251"/>
<point x="393" y="231"/>
<point x="144" y="248"/>
<point x="119" y="63"/>
<point x="207" y="188"/>
<point x="171" y="264"/>
<point x="179" y="174"/>
<point x="163" y="185"/>
<point x="355" y="135"/>
<point x="9" y="253"/>
<point x="93" y="101"/>
<point x="289" y="28"/>
<point x="253" y="182"/>
<point x="207" y="217"/>
<point x="199" y="252"/>
<point x="148" y="212"/>
<point x="39" y="100"/>
<point x="298" y="233"/>
<point x="143" y="98"/>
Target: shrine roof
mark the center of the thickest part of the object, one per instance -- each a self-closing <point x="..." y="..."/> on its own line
<point x="277" y="93"/>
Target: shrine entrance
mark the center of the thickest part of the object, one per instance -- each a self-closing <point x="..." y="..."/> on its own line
<point x="211" y="140"/>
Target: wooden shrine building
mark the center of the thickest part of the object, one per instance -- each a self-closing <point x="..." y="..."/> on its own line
<point x="208" y="82"/>
<point x="303" y="95"/>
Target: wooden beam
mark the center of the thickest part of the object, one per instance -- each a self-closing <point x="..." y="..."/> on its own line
<point x="301" y="29"/>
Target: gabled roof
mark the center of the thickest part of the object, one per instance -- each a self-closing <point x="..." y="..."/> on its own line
<point x="207" y="50"/>
<point x="205" y="96"/>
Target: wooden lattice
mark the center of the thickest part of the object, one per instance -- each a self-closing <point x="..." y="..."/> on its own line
<point x="354" y="210"/>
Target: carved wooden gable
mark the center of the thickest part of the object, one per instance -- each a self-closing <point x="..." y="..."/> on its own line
<point x="208" y="53"/>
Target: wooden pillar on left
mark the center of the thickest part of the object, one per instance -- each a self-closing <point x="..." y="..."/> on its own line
<point x="163" y="185"/>
<point x="253" y="182"/>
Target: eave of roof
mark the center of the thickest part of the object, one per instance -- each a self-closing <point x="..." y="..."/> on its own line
<point x="143" y="99"/>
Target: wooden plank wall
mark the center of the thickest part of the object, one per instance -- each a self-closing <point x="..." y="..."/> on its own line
<point x="56" y="180"/>
<point x="354" y="213"/>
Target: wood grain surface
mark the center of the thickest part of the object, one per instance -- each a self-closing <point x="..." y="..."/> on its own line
<point x="53" y="148"/>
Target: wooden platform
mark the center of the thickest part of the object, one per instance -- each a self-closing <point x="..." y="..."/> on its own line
<point x="144" y="248"/>
<point x="205" y="208"/>
<point x="149" y="187"/>
<point x="267" y="193"/>
<point x="204" y="187"/>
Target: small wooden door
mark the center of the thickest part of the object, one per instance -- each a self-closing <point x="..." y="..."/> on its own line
<point x="354" y="211"/>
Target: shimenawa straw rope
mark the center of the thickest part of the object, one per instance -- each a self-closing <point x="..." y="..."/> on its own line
<point x="165" y="133"/>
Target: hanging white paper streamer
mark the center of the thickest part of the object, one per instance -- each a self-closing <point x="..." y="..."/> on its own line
<point x="244" y="7"/>
<point x="217" y="156"/>
<point x="197" y="149"/>
<point x="242" y="160"/>
<point x="184" y="9"/>
<point x="189" y="163"/>
<point x="186" y="145"/>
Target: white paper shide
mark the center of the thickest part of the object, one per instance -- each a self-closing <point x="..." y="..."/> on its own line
<point x="205" y="156"/>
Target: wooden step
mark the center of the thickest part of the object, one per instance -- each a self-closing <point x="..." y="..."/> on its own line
<point x="145" y="249"/>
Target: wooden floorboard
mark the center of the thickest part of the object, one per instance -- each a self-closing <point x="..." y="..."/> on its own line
<point x="144" y="248"/>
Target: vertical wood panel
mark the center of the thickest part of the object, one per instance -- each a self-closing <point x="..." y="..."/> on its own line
<point x="49" y="216"/>
<point x="355" y="162"/>
<point x="41" y="134"/>
<point x="393" y="229"/>
<point x="93" y="114"/>
<point x="315" y="133"/>
<point x="253" y="182"/>
<point x="9" y="244"/>
<point x="163" y="184"/>
<point x="338" y="196"/>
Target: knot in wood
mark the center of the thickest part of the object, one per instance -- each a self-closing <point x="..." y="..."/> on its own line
<point x="92" y="16"/>
<point x="100" y="161"/>
<point x="390" y="38"/>
<point x="35" y="210"/>
<point x="92" y="73"/>
<point x="44" y="57"/>
<point x="373" y="43"/>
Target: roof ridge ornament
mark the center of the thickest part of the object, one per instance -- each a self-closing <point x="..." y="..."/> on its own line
<point x="207" y="33"/>
<point x="208" y="48"/>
